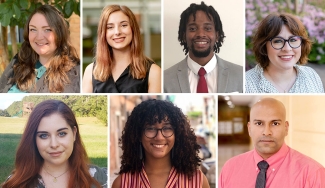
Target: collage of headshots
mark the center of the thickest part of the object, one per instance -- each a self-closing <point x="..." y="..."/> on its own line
<point x="162" y="94"/>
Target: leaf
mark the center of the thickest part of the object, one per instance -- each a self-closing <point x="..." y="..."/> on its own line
<point x="59" y="7"/>
<point x="77" y="8"/>
<point x="4" y="8"/>
<point x="17" y="12"/>
<point x="68" y="8"/>
<point x="23" y="4"/>
<point x="5" y="21"/>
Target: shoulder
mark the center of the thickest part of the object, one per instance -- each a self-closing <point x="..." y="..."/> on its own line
<point x="117" y="182"/>
<point x="238" y="160"/>
<point x="304" y="161"/>
<point x="173" y="69"/>
<point x="89" y="69"/>
<point x="100" y="174"/>
<point x="155" y="69"/>
<point x="307" y="71"/>
<point x="226" y="64"/>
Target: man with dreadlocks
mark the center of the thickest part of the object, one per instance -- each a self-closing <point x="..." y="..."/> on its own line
<point x="202" y="71"/>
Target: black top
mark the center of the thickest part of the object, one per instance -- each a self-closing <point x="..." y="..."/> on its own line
<point x="124" y="84"/>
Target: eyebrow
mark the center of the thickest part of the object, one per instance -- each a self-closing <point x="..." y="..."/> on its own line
<point x="56" y="131"/>
<point x="36" y="27"/>
<point x="271" y="120"/>
<point x="120" y="22"/>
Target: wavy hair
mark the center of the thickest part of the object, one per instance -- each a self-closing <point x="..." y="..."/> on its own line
<point x="185" y="157"/>
<point x="65" y="56"/>
<point x="212" y="15"/>
<point x="28" y="161"/>
<point x="270" y="27"/>
<point x="104" y="53"/>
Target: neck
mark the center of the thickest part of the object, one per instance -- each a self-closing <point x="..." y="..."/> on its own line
<point x="121" y="57"/>
<point x="157" y="165"/>
<point x="283" y="79"/>
<point x="201" y="60"/>
<point x="56" y="170"/>
<point x="44" y="61"/>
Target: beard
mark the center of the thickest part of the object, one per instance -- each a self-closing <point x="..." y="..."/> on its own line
<point x="197" y="53"/>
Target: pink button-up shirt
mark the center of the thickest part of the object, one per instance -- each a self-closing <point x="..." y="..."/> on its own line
<point x="287" y="169"/>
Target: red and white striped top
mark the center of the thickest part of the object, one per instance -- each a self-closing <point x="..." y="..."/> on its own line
<point x="175" y="180"/>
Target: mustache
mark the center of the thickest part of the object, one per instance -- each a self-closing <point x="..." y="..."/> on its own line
<point x="266" y="139"/>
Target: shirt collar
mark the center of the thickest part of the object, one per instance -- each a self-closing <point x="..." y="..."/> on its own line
<point x="275" y="160"/>
<point x="195" y="67"/>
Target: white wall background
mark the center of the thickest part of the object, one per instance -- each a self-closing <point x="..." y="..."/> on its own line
<point x="232" y="15"/>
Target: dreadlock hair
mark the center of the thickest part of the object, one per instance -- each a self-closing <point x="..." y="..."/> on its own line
<point x="185" y="156"/>
<point x="212" y="15"/>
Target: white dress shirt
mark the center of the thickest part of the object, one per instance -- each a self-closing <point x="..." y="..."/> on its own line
<point x="210" y="76"/>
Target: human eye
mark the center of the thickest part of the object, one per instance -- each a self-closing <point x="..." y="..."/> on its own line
<point x="124" y="25"/>
<point x="258" y="123"/>
<point x="43" y="135"/>
<point x="32" y="30"/>
<point x="277" y="40"/>
<point x="192" y="28"/>
<point x="48" y="30"/>
<point x="209" y="28"/>
<point x="109" y="27"/>
<point x="62" y="134"/>
<point x="275" y="123"/>
<point x="150" y="129"/>
<point x="167" y="128"/>
<point x="294" y="39"/>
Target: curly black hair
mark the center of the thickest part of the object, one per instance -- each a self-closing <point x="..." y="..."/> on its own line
<point x="185" y="157"/>
<point x="211" y="12"/>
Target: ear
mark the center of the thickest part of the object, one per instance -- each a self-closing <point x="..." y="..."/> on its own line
<point x="217" y="36"/>
<point x="74" y="132"/>
<point x="249" y="128"/>
<point x="286" y="124"/>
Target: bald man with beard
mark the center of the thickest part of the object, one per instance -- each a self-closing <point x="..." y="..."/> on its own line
<point x="271" y="164"/>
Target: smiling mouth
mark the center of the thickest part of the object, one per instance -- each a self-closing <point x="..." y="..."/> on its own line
<point x="286" y="57"/>
<point x="201" y="42"/>
<point x="55" y="154"/>
<point x="158" y="145"/>
<point x="41" y="44"/>
<point x="119" y="39"/>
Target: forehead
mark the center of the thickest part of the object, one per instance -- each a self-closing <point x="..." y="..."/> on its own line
<point x="38" y="19"/>
<point x="200" y="17"/>
<point x="52" y="123"/>
<point x="267" y="111"/>
<point x="117" y="17"/>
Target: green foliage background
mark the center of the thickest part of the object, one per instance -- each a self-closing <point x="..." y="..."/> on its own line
<point x="81" y="105"/>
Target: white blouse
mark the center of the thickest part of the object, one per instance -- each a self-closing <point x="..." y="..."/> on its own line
<point x="307" y="81"/>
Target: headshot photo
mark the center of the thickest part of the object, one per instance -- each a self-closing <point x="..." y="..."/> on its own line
<point x="284" y="47"/>
<point x="53" y="141"/>
<point x="125" y="48"/>
<point x="271" y="141"/>
<point x="203" y="47"/>
<point x="44" y="50"/>
<point x="162" y="140"/>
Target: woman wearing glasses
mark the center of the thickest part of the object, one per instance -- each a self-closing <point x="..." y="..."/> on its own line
<point x="159" y="149"/>
<point x="281" y="47"/>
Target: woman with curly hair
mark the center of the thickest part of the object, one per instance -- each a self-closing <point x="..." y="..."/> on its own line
<point x="51" y="153"/>
<point x="159" y="149"/>
<point x="46" y="61"/>
<point x="120" y="64"/>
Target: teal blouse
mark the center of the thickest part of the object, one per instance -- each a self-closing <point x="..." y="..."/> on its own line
<point x="40" y="70"/>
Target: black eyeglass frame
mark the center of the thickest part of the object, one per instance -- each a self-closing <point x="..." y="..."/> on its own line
<point x="157" y="132"/>
<point x="285" y="40"/>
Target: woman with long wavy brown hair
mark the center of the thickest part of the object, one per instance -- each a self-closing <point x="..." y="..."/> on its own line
<point x="159" y="149"/>
<point x="51" y="153"/>
<point x="46" y="61"/>
<point x="120" y="64"/>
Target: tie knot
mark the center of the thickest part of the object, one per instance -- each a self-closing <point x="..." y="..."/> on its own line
<point x="202" y="71"/>
<point x="263" y="165"/>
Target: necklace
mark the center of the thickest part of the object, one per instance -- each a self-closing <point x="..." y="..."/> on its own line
<point x="285" y="89"/>
<point x="55" y="179"/>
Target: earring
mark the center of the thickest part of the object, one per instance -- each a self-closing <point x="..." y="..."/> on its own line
<point x="140" y="154"/>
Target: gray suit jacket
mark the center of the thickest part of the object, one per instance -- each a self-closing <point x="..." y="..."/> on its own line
<point x="230" y="77"/>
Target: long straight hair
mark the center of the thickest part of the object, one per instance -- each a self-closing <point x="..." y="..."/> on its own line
<point x="104" y="54"/>
<point x="29" y="162"/>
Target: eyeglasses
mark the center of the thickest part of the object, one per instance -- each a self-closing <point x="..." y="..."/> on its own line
<point x="151" y="132"/>
<point x="279" y="42"/>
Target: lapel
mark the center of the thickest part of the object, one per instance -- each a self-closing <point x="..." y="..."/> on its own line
<point x="182" y="77"/>
<point x="223" y="74"/>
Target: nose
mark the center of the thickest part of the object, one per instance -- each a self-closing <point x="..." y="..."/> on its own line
<point x="54" y="142"/>
<point x="200" y="32"/>
<point x="267" y="131"/>
<point x="159" y="135"/>
<point x="117" y="30"/>
<point x="286" y="46"/>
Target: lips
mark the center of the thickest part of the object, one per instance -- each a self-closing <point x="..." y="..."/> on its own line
<point x="158" y="145"/>
<point x="286" y="57"/>
<point x="40" y="44"/>
<point x="55" y="154"/>
<point x="118" y="40"/>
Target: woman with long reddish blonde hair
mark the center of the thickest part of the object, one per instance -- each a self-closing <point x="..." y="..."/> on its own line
<point x="51" y="153"/>
<point x="120" y="65"/>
